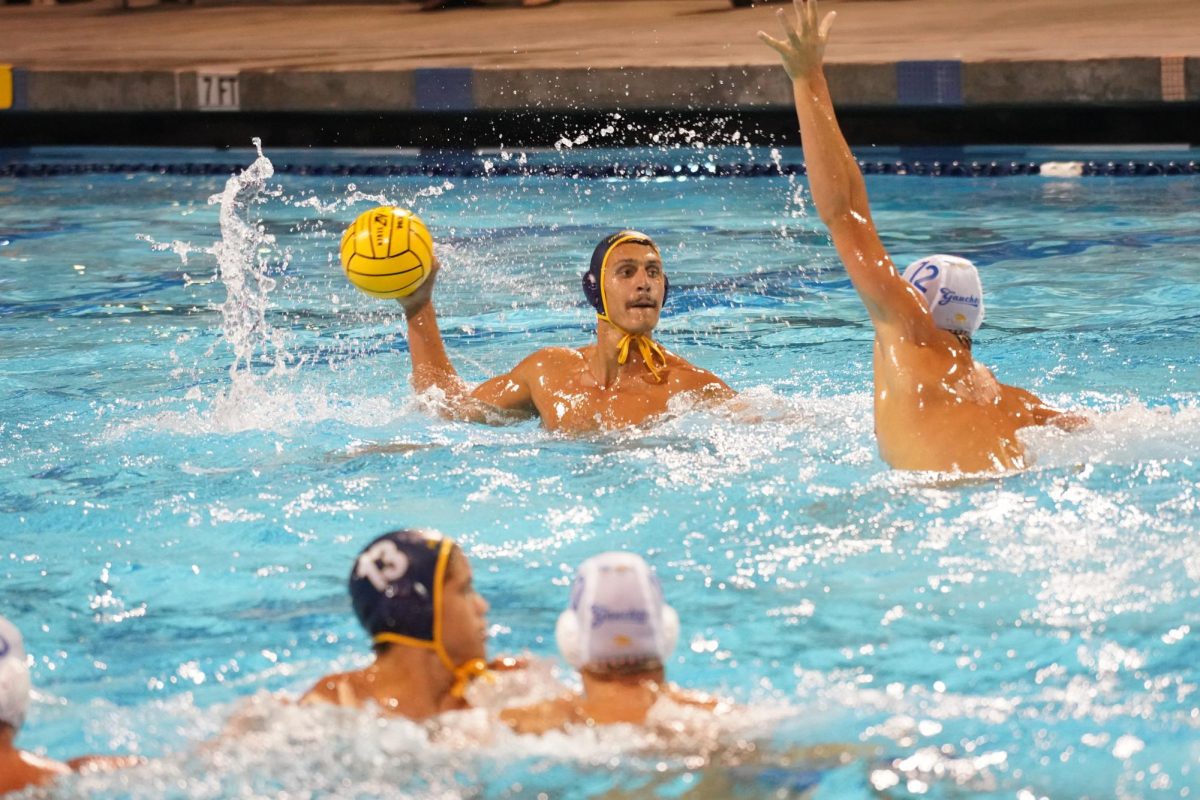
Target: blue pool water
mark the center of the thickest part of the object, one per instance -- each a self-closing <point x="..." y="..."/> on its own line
<point x="192" y="455"/>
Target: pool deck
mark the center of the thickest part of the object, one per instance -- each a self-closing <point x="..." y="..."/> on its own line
<point x="594" y="55"/>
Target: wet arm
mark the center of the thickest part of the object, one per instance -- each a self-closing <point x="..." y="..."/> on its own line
<point x="1035" y="411"/>
<point x="497" y="400"/>
<point x="431" y="365"/>
<point x="504" y="398"/>
<point x="835" y="180"/>
<point x="104" y="763"/>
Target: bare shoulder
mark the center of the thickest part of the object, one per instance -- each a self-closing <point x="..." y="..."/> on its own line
<point x="687" y="377"/>
<point x="924" y="359"/>
<point x="550" y="358"/>
<point x="338" y="690"/>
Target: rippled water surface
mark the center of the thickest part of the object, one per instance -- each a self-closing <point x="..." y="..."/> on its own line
<point x="191" y="459"/>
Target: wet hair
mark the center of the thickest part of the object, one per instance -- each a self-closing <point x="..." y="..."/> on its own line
<point x="624" y="669"/>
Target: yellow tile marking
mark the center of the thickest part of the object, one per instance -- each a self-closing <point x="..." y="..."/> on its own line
<point x="6" y="87"/>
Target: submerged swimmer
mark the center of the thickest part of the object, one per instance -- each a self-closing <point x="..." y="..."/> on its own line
<point x="618" y="632"/>
<point x="936" y="408"/>
<point x="19" y="769"/>
<point x="624" y="378"/>
<point x="413" y="592"/>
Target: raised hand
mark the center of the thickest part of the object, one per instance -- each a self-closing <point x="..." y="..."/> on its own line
<point x="804" y="47"/>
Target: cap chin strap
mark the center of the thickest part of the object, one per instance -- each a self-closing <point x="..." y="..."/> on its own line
<point x="463" y="673"/>
<point x="646" y="346"/>
<point x="649" y="349"/>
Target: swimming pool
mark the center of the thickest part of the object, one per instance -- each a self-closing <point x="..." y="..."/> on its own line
<point x="184" y="486"/>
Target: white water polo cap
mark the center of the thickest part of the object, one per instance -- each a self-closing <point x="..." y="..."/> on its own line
<point x="952" y="290"/>
<point x="14" y="676"/>
<point x="617" y="615"/>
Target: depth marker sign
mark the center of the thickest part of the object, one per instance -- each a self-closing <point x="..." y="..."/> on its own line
<point x="217" y="91"/>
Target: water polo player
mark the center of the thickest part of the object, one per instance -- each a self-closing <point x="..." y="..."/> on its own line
<point x="624" y="378"/>
<point x="618" y="632"/>
<point x="936" y="408"/>
<point x="19" y="769"/>
<point x="413" y="593"/>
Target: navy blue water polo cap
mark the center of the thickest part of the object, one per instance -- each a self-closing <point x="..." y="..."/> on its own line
<point x="396" y="587"/>
<point x="593" y="279"/>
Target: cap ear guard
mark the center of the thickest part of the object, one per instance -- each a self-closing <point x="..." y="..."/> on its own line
<point x="670" y="632"/>
<point x="14" y="676"/>
<point x="566" y="633"/>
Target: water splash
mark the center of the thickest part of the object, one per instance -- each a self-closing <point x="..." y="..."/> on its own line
<point x="182" y="249"/>
<point x="354" y="197"/>
<point x="262" y="746"/>
<point x="246" y="255"/>
<point x="1125" y="432"/>
<point x="259" y="394"/>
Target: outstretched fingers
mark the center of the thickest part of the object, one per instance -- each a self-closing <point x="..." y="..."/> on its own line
<point x="826" y="24"/>
<point x="798" y="29"/>
<point x="782" y="46"/>
<point x="808" y="22"/>
<point x="810" y="14"/>
<point x="775" y="44"/>
<point x="803" y="46"/>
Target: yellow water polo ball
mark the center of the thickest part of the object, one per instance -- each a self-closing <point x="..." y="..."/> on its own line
<point x="387" y="252"/>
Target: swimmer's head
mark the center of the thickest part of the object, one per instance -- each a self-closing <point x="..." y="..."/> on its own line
<point x="415" y="588"/>
<point x="14" y="676"/>
<point x="951" y="288"/>
<point x="617" y="621"/>
<point x="618" y="256"/>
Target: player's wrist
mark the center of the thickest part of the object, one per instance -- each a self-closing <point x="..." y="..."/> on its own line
<point x="417" y="312"/>
<point x="809" y="73"/>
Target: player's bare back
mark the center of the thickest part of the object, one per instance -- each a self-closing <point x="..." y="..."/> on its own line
<point x="938" y="409"/>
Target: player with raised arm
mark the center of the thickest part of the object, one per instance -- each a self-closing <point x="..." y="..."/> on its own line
<point x="936" y="408"/>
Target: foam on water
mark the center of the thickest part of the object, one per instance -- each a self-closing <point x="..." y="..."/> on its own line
<point x="267" y="745"/>
<point x="1124" y="431"/>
